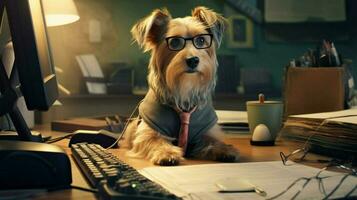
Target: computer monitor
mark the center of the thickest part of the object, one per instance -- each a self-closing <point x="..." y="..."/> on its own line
<point x="33" y="63"/>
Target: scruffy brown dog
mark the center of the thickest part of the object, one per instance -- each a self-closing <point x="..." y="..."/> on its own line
<point x="176" y="117"/>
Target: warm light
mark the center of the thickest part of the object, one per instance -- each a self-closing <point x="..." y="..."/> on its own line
<point x="60" y="12"/>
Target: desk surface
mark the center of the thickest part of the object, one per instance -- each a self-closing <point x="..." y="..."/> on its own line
<point x="248" y="154"/>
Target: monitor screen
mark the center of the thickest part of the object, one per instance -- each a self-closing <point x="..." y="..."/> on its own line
<point x="33" y="59"/>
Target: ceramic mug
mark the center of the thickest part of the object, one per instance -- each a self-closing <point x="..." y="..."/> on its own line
<point x="267" y="115"/>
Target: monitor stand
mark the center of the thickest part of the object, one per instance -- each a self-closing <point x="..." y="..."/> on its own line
<point x="9" y="94"/>
<point x="50" y="167"/>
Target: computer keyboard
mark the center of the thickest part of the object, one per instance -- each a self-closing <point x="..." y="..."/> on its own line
<point x="114" y="178"/>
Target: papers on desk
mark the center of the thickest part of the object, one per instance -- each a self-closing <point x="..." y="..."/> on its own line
<point x="233" y="120"/>
<point x="90" y="68"/>
<point x="199" y="181"/>
<point x="328" y="115"/>
<point x="329" y="131"/>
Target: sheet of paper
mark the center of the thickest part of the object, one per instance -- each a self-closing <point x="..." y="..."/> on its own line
<point x="198" y="181"/>
<point x="350" y="119"/>
<point x="328" y="115"/>
<point x="90" y="67"/>
<point x="229" y="116"/>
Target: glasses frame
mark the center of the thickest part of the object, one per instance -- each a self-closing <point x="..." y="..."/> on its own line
<point x="285" y="158"/>
<point x="192" y="40"/>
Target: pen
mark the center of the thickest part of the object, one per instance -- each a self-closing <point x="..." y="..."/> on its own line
<point x="335" y="55"/>
<point x="260" y="191"/>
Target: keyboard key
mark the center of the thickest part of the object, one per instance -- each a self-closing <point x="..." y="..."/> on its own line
<point x="117" y="179"/>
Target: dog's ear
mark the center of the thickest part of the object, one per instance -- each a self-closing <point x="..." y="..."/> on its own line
<point x="215" y="22"/>
<point x="150" y="30"/>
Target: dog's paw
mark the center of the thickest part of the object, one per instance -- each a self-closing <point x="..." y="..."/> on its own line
<point x="169" y="161"/>
<point x="168" y="158"/>
<point x="228" y="157"/>
<point x="226" y="154"/>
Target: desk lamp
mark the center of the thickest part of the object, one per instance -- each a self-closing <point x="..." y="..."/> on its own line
<point x="60" y="12"/>
<point x="57" y="13"/>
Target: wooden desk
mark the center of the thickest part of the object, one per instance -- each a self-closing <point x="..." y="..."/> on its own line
<point x="248" y="154"/>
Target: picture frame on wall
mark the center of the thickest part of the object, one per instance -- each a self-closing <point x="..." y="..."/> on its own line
<point x="240" y="32"/>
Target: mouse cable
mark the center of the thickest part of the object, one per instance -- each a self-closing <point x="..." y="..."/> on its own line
<point x="59" y="138"/>
<point x="84" y="189"/>
<point x="53" y="140"/>
<point x="126" y="125"/>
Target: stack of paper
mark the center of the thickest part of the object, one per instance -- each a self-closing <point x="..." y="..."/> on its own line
<point x="330" y="130"/>
<point x="90" y="68"/>
<point x="233" y="120"/>
<point x="199" y="181"/>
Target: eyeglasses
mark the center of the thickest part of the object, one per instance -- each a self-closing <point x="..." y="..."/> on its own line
<point x="177" y="43"/>
<point x="300" y="154"/>
<point x="297" y="155"/>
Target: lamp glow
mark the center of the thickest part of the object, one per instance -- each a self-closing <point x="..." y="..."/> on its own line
<point x="60" y="12"/>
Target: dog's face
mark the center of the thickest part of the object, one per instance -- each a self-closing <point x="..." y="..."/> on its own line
<point x="183" y="58"/>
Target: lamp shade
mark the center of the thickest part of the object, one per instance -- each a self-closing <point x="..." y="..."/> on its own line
<point x="60" y="12"/>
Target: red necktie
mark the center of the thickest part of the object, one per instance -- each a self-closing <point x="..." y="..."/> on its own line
<point x="183" y="134"/>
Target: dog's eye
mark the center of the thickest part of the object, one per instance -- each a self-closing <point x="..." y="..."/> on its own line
<point x="200" y="41"/>
<point x="176" y="43"/>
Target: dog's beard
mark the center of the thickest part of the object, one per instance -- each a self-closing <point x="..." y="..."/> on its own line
<point x="191" y="98"/>
<point x="181" y="96"/>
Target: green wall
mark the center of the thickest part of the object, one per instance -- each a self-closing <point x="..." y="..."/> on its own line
<point x="264" y="54"/>
<point x="118" y="16"/>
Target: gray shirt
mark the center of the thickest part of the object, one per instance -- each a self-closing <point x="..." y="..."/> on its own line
<point x="165" y="120"/>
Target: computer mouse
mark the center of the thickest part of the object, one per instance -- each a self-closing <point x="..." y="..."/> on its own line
<point x="102" y="137"/>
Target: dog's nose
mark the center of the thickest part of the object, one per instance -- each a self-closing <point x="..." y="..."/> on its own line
<point x="192" y="62"/>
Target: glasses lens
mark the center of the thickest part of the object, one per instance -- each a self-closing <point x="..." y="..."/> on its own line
<point x="296" y="156"/>
<point x="176" y="43"/>
<point x="202" y="41"/>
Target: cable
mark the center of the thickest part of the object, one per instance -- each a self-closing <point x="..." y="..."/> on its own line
<point x="126" y="125"/>
<point x="320" y="182"/>
<point x="116" y="141"/>
<point x="350" y="192"/>
<point x="84" y="189"/>
<point x="59" y="138"/>
<point x="336" y="187"/>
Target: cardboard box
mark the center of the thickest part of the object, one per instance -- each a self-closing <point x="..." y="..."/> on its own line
<point x="313" y="89"/>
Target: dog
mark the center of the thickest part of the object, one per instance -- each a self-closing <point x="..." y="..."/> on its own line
<point x="176" y="118"/>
